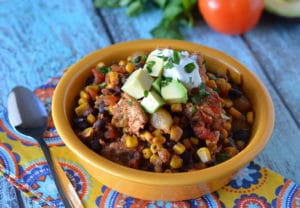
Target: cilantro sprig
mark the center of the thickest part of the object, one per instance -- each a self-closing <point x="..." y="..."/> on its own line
<point x="175" y="14"/>
<point x="200" y="94"/>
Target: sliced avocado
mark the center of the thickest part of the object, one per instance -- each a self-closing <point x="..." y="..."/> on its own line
<point x="284" y="8"/>
<point x="137" y="83"/>
<point x="154" y="66"/>
<point x="152" y="102"/>
<point x="156" y="84"/>
<point x="174" y="92"/>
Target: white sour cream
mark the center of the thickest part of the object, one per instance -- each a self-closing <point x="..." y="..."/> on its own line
<point x="190" y="78"/>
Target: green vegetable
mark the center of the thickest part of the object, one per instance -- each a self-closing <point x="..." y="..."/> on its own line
<point x="104" y="70"/>
<point x="284" y="8"/>
<point x="189" y="68"/>
<point x="176" y="13"/>
<point x="201" y="94"/>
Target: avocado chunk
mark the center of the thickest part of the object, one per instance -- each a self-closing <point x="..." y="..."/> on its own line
<point x="137" y="83"/>
<point x="152" y="102"/>
<point x="284" y="8"/>
<point x="156" y="84"/>
<point x="154" y="66"/>
<point x="174" y="92"/>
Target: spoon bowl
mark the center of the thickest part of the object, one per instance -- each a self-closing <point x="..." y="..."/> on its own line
<point x="28" y="115"/>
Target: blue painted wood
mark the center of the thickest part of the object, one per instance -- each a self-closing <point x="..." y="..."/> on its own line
<point x="281" y="153"/>
<point x="40" y="38"/>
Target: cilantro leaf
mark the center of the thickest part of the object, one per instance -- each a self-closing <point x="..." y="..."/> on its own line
<point x="189" y="68"/>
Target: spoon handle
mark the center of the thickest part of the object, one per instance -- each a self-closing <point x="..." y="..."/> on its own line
<point x="67" y="192"/>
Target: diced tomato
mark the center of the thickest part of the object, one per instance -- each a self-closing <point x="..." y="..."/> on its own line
<point x="98" y="77"/>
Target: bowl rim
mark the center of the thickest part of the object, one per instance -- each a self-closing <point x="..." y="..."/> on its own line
<point x="172" y="179"/>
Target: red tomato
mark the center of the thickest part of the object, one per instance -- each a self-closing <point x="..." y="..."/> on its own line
<point x="231" y="16"/>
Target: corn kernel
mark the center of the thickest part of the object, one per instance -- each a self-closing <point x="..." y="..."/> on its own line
<point x="204" y="154"/>
<point x="154" y="159"/>
<point x="86" y="133"/>
<point x="100" y="65"/>
<point x="194" y="140"/>
<point x="155" y="147"/>
<point x="250" y="116"/>
<point x="212" y="84"/>
<point x="179" y="148"/>
<point x="230" y="151"/>
<point x="176" y="162"/>
<point x="176" y="107"/>
<point x="158" y="139"/>
<point x="131" y="141"/>
<point x="82" y="101"/>
<point x="84" y="94"/>
<point x="156" y="133"/>
<point x="223" y="85"/>
<point x="224" y="132"/>
<point x="122" y="63"/>
<point x="227" y="126"/>
<point x="234" y="112"/>
<point x="93" y="87"/>
<point x="146" y="136"/>
<point x="147" y="153"/>
<point x="113" y="78"/>
<point x="110" y="109"/>
<point x="226" y="103"/>
<point x="187" y="143"/>
<point x="129" y="67"/>
<point x="175" y="133"/>
<point x="91" y="118"/>
<point x="158" y="168"/>
<point x="226" y="141"/>
<point x="81" y="109"/>
<point x="240" y="144"/>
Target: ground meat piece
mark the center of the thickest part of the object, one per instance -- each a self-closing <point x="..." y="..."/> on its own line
<point x="129" y="115"/>
<point x="206" y="120"/>
<point x="202" y="69"/>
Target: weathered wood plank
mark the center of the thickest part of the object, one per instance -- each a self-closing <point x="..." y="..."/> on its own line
<point x="40" y="38"/>
<point x="279" y="155"/>
<point x="276" y="46"/>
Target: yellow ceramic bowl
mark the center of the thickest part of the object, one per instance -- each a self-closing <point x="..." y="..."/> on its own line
<point x="162" y="186"/>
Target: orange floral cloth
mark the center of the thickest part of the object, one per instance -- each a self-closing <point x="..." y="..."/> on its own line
<point x="23" y="164"/>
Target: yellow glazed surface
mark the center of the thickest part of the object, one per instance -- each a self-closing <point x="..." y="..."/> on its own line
<point x="162" y="186"/>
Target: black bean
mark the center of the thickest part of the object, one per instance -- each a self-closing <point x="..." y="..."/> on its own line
<point x="169" y="144"/>
<point x="80" y="123"/>
<point x="186" y="157"/>
<point x="138" y="59"/>
<point x="89" y="80"/>
<point x="99" y="124"/>
<point x="234" y="93"/>
<point x="101" y="107"/>
<point x="242" y="134"/>
<point x="95" y="145"/>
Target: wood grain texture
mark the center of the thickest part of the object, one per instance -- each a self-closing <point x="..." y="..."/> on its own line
<point x="40" y="38"/>
<point x="281" y="154"/>
<point x="276" y="46"/>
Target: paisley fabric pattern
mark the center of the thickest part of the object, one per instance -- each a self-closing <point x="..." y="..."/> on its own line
<point x="23" y="165"/>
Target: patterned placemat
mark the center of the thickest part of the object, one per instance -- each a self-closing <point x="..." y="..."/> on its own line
<point x="22" y="163"/>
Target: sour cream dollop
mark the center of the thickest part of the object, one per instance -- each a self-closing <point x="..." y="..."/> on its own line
<point x="180" y="65"/>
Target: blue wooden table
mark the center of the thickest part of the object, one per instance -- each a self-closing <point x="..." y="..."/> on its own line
<point x="38" y="39"/>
